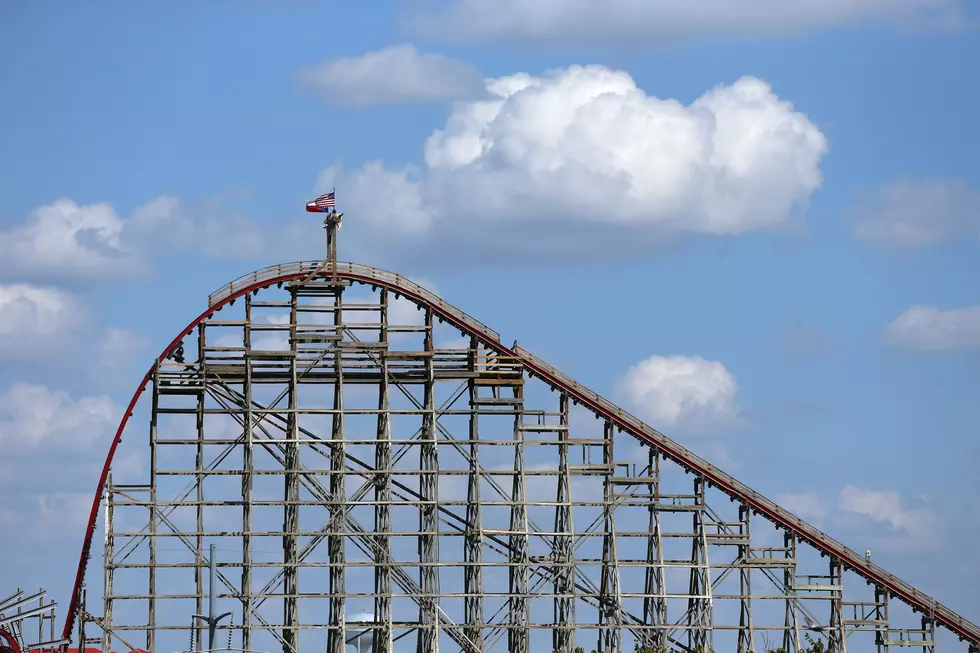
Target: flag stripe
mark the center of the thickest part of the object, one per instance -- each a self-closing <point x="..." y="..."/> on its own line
<point x="325" y="200"/>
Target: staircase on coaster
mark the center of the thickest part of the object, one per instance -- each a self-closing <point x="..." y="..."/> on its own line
<point x="348" y="451"/>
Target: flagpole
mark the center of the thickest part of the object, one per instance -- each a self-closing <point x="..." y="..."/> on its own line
<point x="332" y="218"/>
<point x="331" y="225"/>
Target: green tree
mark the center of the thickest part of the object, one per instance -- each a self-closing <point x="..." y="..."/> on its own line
<point x="813" y="646"/>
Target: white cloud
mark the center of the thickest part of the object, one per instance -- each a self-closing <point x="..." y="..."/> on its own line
<point x="389" y="201"/>
<point x="119" y="346"/>
<point x="36" y="321"/>
<point x="45" y="516"/>
<point x="579" y="156"/>
<point x="54" y="447"/>
<point x="719" y="453"/>
<point x="932" y="329"/>
<point x="118" y="351"/>
<point x="207" y="226"/>
<point x="908" y="214"/>
<point x="807" y="505"/>
<point x="398" y="73"/>
<point x="671" y="390"/>
<point x="64" y="238"/>
<point x="568" y="23"/>
<point x="32" y="415"/>
<point x="918" y="527"/>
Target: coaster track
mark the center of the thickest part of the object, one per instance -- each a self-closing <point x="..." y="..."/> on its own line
<point x="350" y="272"/>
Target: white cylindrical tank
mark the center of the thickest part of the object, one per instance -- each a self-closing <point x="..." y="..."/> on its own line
<point x="359" y="636"/>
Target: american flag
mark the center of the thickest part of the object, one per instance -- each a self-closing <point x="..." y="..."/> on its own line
<point x="325" y="200"/>
<point x="322" y="203"/>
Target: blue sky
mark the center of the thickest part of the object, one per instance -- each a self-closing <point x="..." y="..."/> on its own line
<point x="238" y="112"/>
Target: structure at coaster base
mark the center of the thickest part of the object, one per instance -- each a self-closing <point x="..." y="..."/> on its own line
<point x="350" y="442"/>
<point x="25" y="626"/>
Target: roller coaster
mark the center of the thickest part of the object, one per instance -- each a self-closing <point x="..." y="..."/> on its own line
<point x="346" y="441"/>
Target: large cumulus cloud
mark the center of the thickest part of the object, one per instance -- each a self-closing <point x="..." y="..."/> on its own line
<point x="569" y="160"/>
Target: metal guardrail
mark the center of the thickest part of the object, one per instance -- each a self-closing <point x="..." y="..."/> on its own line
<point x="926" y="604"/>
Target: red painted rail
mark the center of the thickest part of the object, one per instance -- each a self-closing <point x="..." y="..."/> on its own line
<point x="11" y="642"/>
<point x="920" y="602"/>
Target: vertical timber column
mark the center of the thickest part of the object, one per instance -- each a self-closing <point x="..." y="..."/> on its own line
<point x="473" y="551"/>
<point x="929" y="632"/>
<point x="518" y="635"/>
<point x="610" y="601"/>
<point x="382" y="496"/>
<point x="198" y="629"/>
<point x="108" y="569"/>
<point x="563" y="638"/>
<point x="791" y="635"/>
<point x="707" y="601"/>
<point x="151" y="623"/>
<point x="836" y="637"/>
<point x="291" y="497"/>
<point x="338" y="491"/>
<point x="82" y="644"/>
<point x="428" y="635"/>
<point x="248" y="467"/>
<point x="746" y="633"/>
<point x="655" y="601"/>
<point x="881" y="609"/>
<point x="699" y="610"/>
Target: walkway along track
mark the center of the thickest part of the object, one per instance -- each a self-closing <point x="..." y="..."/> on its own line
<point x="278" y="274"/>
